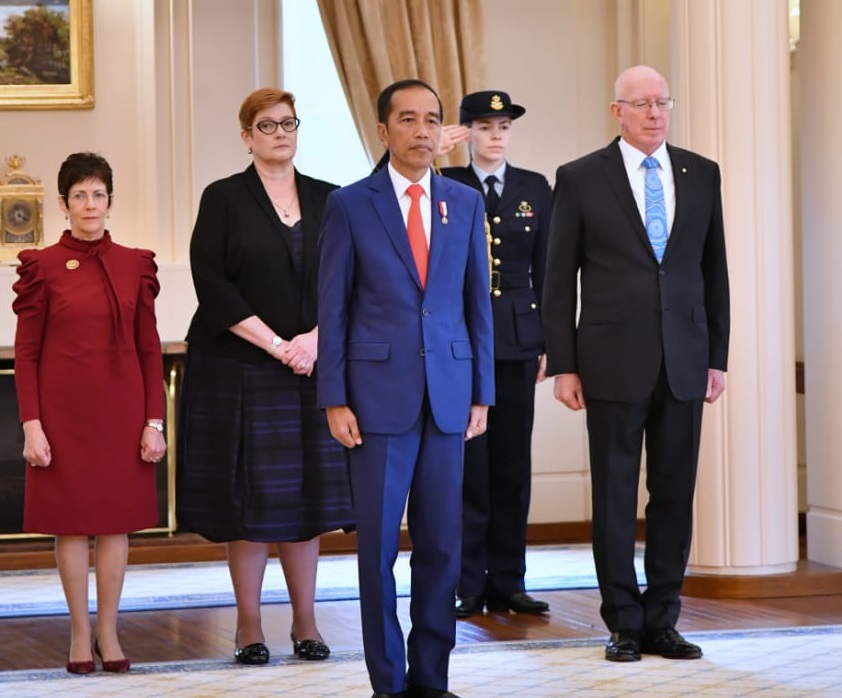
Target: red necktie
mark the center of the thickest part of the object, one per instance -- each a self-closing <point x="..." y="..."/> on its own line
<point x="415" y="230"/>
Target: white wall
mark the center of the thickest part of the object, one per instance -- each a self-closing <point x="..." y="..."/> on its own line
<point x="169" y="79"/>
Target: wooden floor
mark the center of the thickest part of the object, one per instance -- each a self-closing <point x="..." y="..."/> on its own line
<point x="157" y="636"/>
<point x="812" y="596"/>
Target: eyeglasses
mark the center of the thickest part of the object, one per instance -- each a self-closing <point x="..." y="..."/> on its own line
<point x="268" y="127"/>
<point x="82" y="197"/>
<point x="664" y="104"/>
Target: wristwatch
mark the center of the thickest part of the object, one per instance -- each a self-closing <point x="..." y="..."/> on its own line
<point x="159" y="426"/>
<point x="275" y="343"/>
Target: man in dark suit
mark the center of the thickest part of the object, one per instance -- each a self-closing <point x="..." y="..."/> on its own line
<point x="639" y="225"/>
<point x="498" y="465"/>
<point x="406" y="374"/>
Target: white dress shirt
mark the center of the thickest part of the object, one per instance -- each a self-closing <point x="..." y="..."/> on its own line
<point x="401" y="183"/>
<point x="633" y="160"/>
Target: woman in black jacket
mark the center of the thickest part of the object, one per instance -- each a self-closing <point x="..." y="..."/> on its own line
<point x="257" y="465"/>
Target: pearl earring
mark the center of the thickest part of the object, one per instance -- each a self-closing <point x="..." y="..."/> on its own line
<point x="250" y="151"/>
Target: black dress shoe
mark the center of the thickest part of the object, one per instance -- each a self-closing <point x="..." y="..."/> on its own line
<point x="467" y="606"/>
<point x="624" y="646"/>
<point x="520" y="602"/>
<point x="669" y="643"/>
<point x="388" y="695"/>
<point x="254" y="654"/>
<point x="427" y="692"/>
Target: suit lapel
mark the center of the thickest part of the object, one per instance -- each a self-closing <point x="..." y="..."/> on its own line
<point x="682" y="181"/>
<point x="618" y="179"/>
<point x="513" y="190"/>
<point x="441" y="203"/>
<point x="385" y="202"/>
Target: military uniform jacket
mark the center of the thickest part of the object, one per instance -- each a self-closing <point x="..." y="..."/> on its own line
<point x="519" y="232"/>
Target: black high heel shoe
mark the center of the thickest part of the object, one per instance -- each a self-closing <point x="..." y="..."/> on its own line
<point x="314" y="650"/>
<point x="254" y="654"/>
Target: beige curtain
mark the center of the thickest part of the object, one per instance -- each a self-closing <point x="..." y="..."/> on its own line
<point x="376" y="42"/>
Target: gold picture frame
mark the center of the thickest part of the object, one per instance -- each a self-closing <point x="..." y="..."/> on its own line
<point x="78" y="91"/>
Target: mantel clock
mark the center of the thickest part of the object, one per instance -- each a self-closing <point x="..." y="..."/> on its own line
<point x="21" y="211"/>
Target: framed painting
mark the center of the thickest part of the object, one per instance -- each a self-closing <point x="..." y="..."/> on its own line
<point x="46" y="54"/>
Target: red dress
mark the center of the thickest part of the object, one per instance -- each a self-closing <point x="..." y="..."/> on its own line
<point x="88" y="365"/>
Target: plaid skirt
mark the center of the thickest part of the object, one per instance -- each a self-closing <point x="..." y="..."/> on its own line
<point x="255" y="458"/>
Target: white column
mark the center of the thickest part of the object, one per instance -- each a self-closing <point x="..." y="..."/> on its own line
<point x="820" y="55"/>
<point x="730" y="77"/>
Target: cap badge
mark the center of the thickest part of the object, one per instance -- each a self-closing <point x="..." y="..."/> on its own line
<point x="496" y="103"/>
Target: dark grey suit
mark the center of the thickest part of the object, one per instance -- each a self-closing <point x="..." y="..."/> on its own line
<point x="646" y="337"/>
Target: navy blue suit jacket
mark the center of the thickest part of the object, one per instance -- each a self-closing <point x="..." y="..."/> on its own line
<point x="384" y="341"/>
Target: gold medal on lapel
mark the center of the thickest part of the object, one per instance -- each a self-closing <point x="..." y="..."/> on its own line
<point x="72" y="264"/>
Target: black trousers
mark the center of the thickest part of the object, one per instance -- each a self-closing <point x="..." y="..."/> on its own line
<point x="617" y="431"/>
<point x="496" y="487"/>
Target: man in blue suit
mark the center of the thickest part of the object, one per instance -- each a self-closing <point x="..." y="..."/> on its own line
<point x="406" y="374"/>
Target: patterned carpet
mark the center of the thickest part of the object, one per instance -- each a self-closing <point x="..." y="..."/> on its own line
<point x="38" y="592"/>
<point x="768" y="664"/>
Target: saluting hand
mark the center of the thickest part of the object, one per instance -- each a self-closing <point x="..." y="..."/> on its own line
<point x="451" y="136"/>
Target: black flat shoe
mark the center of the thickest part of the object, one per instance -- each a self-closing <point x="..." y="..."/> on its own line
<point x="314" y="650"/>
<point x="253" y="655"/>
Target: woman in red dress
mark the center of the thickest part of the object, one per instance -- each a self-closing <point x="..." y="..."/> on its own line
<point x="89" y="380"/>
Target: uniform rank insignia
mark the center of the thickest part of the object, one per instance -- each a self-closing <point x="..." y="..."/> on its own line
<point x="524" y="210"/>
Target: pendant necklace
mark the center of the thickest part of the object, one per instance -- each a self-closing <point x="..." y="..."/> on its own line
<point x="283" y="209"/>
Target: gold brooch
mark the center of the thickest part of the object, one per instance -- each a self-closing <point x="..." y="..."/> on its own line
<point x="72" y="264"/>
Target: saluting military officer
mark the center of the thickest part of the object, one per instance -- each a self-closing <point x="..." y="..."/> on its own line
<point x="498" y="465"/>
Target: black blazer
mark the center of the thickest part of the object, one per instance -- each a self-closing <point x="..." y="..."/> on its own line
<point x="519" y="232"/>
<point x="635" y="313"/>
<point x="242" y="265"/>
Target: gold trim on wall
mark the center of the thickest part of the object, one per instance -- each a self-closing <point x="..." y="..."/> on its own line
<point x="79" y="92"/>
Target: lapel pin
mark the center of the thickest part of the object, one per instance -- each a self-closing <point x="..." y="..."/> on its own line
<point x="684" y="170"/>
<point x="72" y="264"/>
<point x="443" y="211"/>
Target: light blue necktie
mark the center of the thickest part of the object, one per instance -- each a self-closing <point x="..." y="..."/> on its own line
<point x="656" y="209"/>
